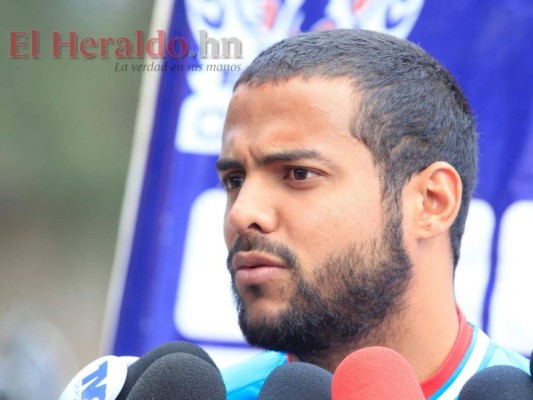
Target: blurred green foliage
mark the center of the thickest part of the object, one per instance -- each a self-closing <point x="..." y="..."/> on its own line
<point x="66" y="128"/>
<point x="66" y="124"/>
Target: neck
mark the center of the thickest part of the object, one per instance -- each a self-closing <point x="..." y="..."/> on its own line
<point x="329" y="359"/>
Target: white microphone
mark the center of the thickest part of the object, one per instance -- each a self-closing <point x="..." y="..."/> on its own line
<point x="112" y="377"/>
<point x="102" y="379"/>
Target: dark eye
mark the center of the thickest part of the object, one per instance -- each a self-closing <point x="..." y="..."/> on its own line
<point x="300" y="173"/>
<point x="233" y="182"/>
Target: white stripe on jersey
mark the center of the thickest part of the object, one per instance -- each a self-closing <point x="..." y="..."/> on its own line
<point x="481" y="344"/>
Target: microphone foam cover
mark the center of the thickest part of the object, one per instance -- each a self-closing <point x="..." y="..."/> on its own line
<point x="136" y="369"/>
<point x="501" y="382"/>
<point x="297" y="380"/>
<point x="375" y="373"/>
<point x="179" y="376"/>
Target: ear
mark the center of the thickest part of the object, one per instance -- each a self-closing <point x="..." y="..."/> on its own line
<point x="433" y="199"/>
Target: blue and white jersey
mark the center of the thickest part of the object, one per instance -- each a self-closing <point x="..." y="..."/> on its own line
<point x="481" y="353"/>
<point x="244" y="381"/>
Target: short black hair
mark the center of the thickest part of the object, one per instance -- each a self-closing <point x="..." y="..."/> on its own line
<point x="410" y="111"/>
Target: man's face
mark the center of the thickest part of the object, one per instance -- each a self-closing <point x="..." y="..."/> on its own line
<point x="314" y="258"/>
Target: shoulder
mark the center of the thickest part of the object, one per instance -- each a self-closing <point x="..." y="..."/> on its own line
<point x="499" y="355"/>
<point x="481" y="353"/>
<point x="244" y="380"/>
<point x="485" y="352"/>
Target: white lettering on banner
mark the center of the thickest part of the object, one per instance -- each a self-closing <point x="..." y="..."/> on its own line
<point x="473" y="271"/>
<point x="204" y="308"/>
<point x="200" y="128"/>
<point x="511" y="321"/>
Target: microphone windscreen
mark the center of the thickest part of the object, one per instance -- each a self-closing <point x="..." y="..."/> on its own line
<point x="501" y="382"/>
<point x="375" y="373"/>
<point x="297" y="380"/>
<point x="136" y="369"/>
<point x="179" y="376"/>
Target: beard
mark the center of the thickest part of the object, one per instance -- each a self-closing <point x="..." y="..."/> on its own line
<point x="348" y="298"/>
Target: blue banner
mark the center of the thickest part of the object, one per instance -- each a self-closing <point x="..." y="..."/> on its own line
<point x="171" y="281"/>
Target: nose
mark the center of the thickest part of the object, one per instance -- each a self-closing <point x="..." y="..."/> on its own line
<point x="251" y="210"/>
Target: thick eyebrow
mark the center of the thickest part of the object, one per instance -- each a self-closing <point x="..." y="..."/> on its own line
<point x="225" y="164"/>
<point x="293" y="155"/>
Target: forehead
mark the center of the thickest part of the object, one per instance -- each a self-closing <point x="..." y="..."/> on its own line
<point x="312" y="112"/>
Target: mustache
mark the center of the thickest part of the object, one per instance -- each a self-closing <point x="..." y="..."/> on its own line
<point x="263" y="245"/>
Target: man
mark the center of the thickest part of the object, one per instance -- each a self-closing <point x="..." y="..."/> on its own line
<point x="349" y="159"/>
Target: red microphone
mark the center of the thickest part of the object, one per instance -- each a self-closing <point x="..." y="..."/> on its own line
<point x="375" y="373"/>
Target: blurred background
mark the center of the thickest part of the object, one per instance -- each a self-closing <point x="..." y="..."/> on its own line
<point x="66" y="128"/>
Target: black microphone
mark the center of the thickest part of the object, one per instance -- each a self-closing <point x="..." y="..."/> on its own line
<point x="531" y="364"/>
<point x="136" y="369"/>
<point x="179" y="376"/>
<point x="297" y="380"/>
<point x="500" y="382"/>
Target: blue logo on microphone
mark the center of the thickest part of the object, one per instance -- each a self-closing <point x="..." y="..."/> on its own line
<point x="94" y="390"/>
